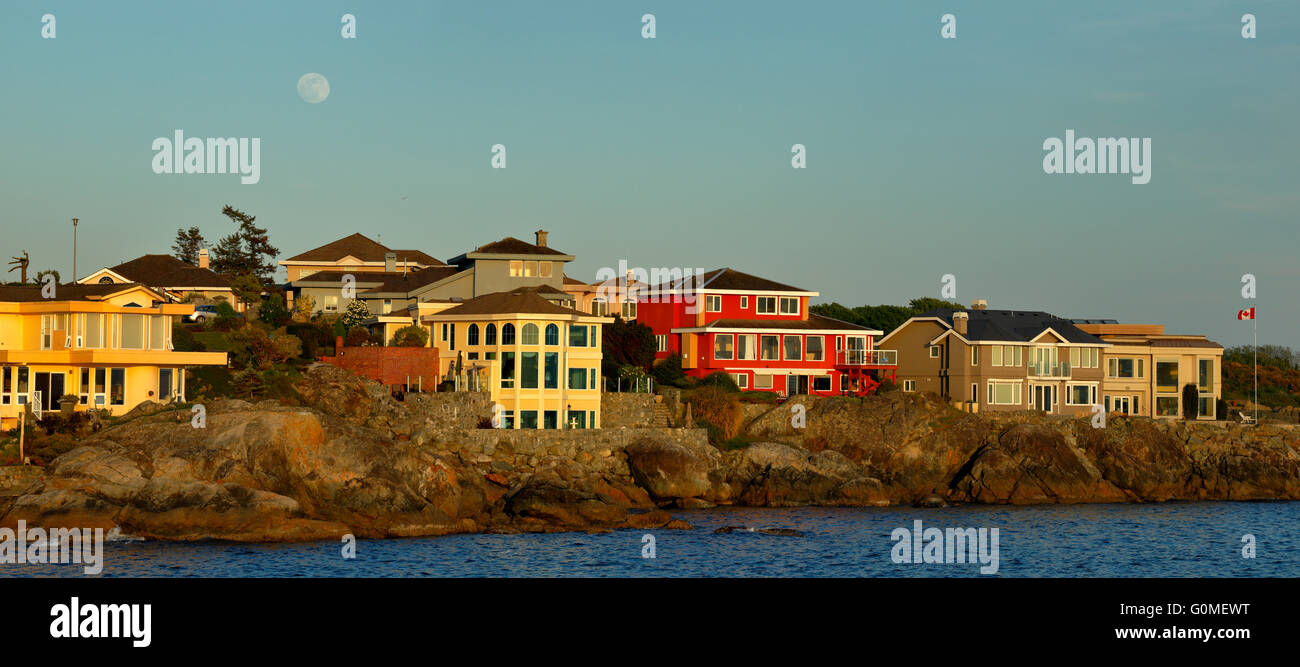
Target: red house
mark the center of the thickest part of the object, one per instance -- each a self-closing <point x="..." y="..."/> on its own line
<point x="760" y="332"/>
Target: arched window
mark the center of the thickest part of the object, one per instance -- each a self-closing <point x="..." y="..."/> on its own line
<point x="471" y="336"/>
<point x="552" y="334"/>
<point x="507" y="334"/>
<point x="490" y="335"/>
<point x="106" y="280"/>
<point x="530" y="334"/>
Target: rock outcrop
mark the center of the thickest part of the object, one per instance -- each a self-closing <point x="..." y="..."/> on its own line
<point x="355" y="461"/>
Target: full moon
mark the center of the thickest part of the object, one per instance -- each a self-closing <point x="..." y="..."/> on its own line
<point x="313" y="88"/>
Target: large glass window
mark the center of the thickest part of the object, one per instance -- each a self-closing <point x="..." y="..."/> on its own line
<point x="552" y="334"/>
<point x="471" y="335"/>
<point x="516" y="268"/>
<point x="490" y="335"/>
<point x="815" y="349"/>
<point x="722" y="346"/>
<point x="507" y="370"/>
<point x="770" y="348"/>
<point x="157" y="341"/>
<point x="83" y="388"/>
<point x="577" y="378"/>
<point x="789" y="305"/>
<point x="530" y="334"/>
<point x="552" y="370"/>
<point x="101" y="386"/>
<point x="528" y="370"/>
<point x="1166" y="406"/>
<point x="1205" y="376"/>
<point x="546" y="269"/>
<point x="6" y="385"/>
<point x="527" y="419"/>
<point x="507" y="334"/>
<point x="746" y="347"/>
<point x="117" y="386"/>
<point x="1080" y="394"/>
<point x="1000" y="393"/>
<point x="132" y="336"/>
<point x="766" y="305"/>
<point x="577" y="336"/>
<point x="93" y="335"/>
<point x="793" y="348"/>
<point x="1166" y="376"/>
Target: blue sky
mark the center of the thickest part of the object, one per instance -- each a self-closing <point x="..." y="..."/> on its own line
<point x="924" y="154"/>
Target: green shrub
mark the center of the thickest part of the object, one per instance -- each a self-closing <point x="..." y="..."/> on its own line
<point x="412" y="335"/>
<point x="668" y="371"/>
<point x="720" y="380"/>
<point x="356" y="337"/>
<point x="183" y="340"/>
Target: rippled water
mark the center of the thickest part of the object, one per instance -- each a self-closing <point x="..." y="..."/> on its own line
<point x="1156" y="540"/>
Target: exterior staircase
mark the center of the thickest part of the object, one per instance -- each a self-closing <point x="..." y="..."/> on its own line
<point x="661" y="417"/>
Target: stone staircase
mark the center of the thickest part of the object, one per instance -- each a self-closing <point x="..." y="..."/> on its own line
<point x="661" y="417"/>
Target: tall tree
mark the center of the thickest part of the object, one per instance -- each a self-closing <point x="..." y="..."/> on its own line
<point x="187" y="245"/>
<point x="247" y="251"/>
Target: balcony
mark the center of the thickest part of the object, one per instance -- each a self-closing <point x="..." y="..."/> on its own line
<point x="1035" y="369"/>
<point x="866" y="358"/>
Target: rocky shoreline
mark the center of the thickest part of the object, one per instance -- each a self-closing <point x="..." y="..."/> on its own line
<point x="354" y="461"/>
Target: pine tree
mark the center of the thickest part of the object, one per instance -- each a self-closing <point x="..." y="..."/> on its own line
<point x="187" y="245"/>
<point x="247" y="251"/>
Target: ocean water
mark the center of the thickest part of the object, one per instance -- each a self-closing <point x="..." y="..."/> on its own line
<point x="1149" y="540"/>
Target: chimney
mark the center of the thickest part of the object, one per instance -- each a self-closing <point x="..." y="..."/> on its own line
<point x="390" y="262"/>
<point x="203" y="258"/>
<point x="979" y="304"/>
<point x="541" y="238"/>
<point x="959" y="320"/>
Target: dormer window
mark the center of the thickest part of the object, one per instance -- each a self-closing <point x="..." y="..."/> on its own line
<point x="712" y="303"/>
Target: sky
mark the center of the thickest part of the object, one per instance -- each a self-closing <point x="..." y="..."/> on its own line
<point x="924" y="155"/>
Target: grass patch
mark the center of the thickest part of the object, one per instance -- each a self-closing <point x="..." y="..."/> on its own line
<point x="213" y="341"/>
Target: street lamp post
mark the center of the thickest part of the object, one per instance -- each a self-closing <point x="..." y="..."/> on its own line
<point x="74" y="250"/>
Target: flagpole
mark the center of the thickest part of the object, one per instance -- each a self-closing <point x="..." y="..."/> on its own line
<point x="1254" y="325"/>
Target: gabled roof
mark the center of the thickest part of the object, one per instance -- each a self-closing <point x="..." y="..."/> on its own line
<point x="166" y="271"/>
<point x="1021" y="326"/>
<point x="363" y="248"/>
<point x="813" y="323"/>
<point x="526" y="300"/>
<point x="414" y="279"/>
<point x="70" y="292"/>
<point x="731" y="280"/>
<point x="509" y="246"/>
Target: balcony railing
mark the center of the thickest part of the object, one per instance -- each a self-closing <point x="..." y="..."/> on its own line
<point x="866" y="358"/>
<point x="1048" y="370"/>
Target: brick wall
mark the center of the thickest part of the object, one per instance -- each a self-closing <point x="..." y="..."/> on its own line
<point x="390" y="365"/>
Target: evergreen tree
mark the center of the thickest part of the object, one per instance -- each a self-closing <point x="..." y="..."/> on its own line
<point x="355" y="314"/>
<point x="247" y="251"/>
<point x="187" y="245"/>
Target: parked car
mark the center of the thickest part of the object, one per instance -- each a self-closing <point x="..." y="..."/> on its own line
<point x="202" y="314"/>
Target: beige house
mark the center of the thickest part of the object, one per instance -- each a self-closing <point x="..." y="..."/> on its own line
<point x="1146" y="370"/>
<point x="356" y="253"/>
<point x="1000" y="360"/>
<point x="606" y="298"/>
<point x="175" y="279"/>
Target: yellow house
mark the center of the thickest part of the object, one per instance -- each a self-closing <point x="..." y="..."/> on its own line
<point x="540" y="361"/>
<point x="1146" y="370"/>
<point x="107" y="344"/>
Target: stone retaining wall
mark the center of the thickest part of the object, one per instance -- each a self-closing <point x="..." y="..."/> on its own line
<point x="620" y="410"/>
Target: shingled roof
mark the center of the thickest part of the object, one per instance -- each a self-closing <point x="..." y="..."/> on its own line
<point x="65" y="292"/>
<point x="729" y="279"/>
<point x="813" y="323"/>
<point x="168" y="272"/>
<point x="513" y="246"/>
<point x="363" y="248"/>
<point x="526" y="300"/>
<point x="1013" y="325"/>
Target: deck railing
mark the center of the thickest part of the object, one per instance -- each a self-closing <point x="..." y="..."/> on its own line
<point x="866" y="358"/>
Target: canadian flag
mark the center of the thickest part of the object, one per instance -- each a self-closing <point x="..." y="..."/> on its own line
<point x="1247" y="314"/>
